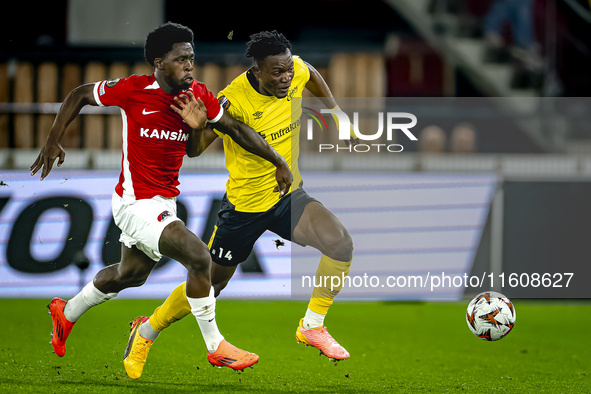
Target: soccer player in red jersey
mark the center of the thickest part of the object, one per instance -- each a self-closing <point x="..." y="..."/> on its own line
<point x="155" y="139"/>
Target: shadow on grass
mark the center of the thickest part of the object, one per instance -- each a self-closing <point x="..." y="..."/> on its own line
<point x="147" y="386"/>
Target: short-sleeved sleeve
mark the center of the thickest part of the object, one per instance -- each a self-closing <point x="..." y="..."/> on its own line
<point x="113" y="92"/>
<point x="301" y="66"/>
<point x="231" y="106"/>
<point x="214" y="109"/>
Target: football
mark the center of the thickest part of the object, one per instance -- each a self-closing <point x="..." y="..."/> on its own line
<point x="490" y="316"/>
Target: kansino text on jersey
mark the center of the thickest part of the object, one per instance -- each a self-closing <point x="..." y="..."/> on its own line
<point x="361" y="148"/>
<point x="164" y="134"/>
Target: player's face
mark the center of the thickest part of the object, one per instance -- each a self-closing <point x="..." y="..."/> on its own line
<point x="177" y="66"/>
<point x="275" y="74"/>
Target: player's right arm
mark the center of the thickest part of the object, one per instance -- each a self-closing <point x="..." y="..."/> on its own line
<point x="199" y="141"/>
<point x="191" y="109"/>
<point x="253" y="142"/>
<point x="70" y="108"/>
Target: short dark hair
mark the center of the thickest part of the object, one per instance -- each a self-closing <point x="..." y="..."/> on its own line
<point x="160" y="40"/>
<point x="267" y="43"/>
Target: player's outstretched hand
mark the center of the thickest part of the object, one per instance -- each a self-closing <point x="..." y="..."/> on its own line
<point x="191" y="109"/>
<point x="46" y="158"/>
<point x="284" y="178"/>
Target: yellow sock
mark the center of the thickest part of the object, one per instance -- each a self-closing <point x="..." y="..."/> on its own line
<point x="174" y="309"/>
<point x="331" y="273"/>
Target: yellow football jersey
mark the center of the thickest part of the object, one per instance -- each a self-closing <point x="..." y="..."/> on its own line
<point x="252" y="179"/>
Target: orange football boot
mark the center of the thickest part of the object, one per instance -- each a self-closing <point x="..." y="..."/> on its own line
<point x="228" y="355"/>
<point x="321" y="340"/>
<point x="61" y="326"/>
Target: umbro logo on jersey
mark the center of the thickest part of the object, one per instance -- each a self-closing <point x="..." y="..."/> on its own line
<point x="257" y="115"/>
<point x="148" y="112"/>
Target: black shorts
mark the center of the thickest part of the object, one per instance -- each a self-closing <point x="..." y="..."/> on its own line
<point x="236" y="232"/>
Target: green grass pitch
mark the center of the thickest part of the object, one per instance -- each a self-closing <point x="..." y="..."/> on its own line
<point x="395" y="347"/>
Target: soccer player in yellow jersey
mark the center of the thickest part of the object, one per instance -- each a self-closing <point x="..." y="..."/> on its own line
<point x="267" y="97"/>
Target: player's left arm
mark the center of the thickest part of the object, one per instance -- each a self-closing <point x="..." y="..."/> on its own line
<point x="254" y="143"/>
<point x="319" y="88"/>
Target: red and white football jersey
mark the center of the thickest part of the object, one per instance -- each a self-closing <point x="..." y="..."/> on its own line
<point x="154" y="136"/>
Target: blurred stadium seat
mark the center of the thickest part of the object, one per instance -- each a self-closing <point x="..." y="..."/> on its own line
<point x="407" y="48"/>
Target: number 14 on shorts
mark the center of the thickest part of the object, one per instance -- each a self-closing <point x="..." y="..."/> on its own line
<point x="221" y="255"/>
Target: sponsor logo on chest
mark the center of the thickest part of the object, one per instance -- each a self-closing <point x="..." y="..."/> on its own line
<point x="164" y="134"/>
<point x="286" y="130"/>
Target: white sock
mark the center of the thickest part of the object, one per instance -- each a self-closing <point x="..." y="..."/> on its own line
<point x="146" y="331"/>
<point x="313" y="320"/>
<point x="88" y="297"/>
<point x="204" y="311"/>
